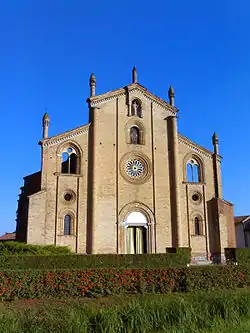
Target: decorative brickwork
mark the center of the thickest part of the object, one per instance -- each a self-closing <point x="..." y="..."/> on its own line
<point x="126" y="190"/>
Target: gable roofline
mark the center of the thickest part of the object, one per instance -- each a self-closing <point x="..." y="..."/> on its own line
<point x="64" y="136"/>
<point x="32" y="174"/>
<point x="192" y="144"/>
<point x="241" y="219"/>
<point x="129" y="88"/>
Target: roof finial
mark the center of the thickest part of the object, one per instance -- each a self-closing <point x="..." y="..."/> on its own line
<point x="92" y="84"/>
<point x="134" y="75"/>
<point x="46" y="121"/>
<point x="171" y="95"/>
<point x="215" y="141"/>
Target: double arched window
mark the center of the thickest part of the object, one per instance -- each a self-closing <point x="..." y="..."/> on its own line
<point x="193" y="171"/>
<point x="70" y="161"/>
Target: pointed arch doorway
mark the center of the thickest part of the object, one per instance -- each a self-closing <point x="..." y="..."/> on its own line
<point x="136" y="233"/>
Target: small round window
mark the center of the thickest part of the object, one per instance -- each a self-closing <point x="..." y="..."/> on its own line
<point x="69" y="196"/>
<point x="196" y="197"/>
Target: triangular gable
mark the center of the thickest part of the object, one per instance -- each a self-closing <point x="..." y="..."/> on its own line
<point x="134" y="87"/>
<point x="64" y="136"/>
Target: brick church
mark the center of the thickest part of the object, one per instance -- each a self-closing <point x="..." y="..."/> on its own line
<point x="126" y="182"/>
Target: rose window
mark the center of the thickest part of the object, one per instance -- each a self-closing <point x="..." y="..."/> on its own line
<point x="135" y="168"/>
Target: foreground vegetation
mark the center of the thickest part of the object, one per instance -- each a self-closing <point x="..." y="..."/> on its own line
<point x="28" y="284"/>
<point x="17" y="249"/>
<point x="199" y="312"/>
<point x="42" y="289"/>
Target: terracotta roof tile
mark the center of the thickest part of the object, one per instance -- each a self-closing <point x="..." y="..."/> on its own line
<point x="239" y="219"/>
<point x="8" y="236"/>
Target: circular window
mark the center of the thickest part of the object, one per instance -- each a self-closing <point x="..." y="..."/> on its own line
<point x="135" y="167"/>
<point x="69" y="196"/>
<point x="70" y="150"/>
<point x="196" y="197"/>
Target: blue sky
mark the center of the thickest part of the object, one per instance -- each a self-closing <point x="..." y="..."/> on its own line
<point x="48" y="49"/>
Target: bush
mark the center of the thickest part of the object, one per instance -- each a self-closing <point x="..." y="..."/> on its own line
<point x="217" y="277"/>
<point x="78" y="261"/>
<point x="17" y="248"/>
<point x="241" y="255"/>
<point x="92" y="282"/>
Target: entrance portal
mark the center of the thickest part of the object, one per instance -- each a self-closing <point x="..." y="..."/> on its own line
<point x="136" y="233"/>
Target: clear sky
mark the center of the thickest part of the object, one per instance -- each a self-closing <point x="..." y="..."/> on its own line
<point x="48" y="50"/>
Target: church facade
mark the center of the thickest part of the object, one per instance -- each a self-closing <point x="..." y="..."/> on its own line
<point x="127" y="182"/>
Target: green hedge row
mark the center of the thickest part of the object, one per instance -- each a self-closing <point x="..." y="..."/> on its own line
<point x="93" y="282"/>
<point x="18" y="248"/>
<point x="241" y="255"/>
<point x="76" y="261"/>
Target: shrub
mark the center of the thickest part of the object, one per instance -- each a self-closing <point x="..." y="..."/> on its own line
<point x="17" y="248"/>
<point x="75" y="283"/>
<point x="217" y="277"/>
<point x="78" y="261"/>
<point x="241" y="255"/>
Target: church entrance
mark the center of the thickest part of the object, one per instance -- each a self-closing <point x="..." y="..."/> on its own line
<point x="136" y="233"/>
<point x="136" y="240"/>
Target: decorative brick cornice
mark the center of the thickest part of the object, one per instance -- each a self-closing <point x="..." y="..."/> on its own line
<point x="64" y="136"/>
<point x="196" y="148"/>
<point x="152" y="98"/>
<point x="135" y="87"/>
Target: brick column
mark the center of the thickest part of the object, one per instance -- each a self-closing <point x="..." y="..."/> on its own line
<point x="173" y="147"/>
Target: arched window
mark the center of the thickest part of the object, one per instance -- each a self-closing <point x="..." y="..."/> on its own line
<point x="134" y="135"/>
<point x="67" y="224"/>
<point x="197" y="226"/>
<point x="136" y="109"/>
<point x="70" y="161"/>
<point x="193" y="173"/>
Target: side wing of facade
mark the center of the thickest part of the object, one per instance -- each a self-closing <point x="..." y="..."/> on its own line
<point x="55" y="212"/>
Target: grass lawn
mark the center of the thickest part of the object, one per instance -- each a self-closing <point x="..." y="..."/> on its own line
<point x="215" y="312"/>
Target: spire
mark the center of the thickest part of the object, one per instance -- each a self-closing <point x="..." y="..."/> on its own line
<point x="215" y="141"/>
<point x="171" y="95"/>
<point x="134" y="75"/>
<point x="46" y="116"/>
<point x="46" y="122"/>
<point x="92" y="84"/>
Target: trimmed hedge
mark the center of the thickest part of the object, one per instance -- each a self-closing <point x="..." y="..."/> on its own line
<point x="77" y="261"/>
<point x="239" y="255"/>
<point x="18" y="248"/>
<point x="93" y="282"/>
